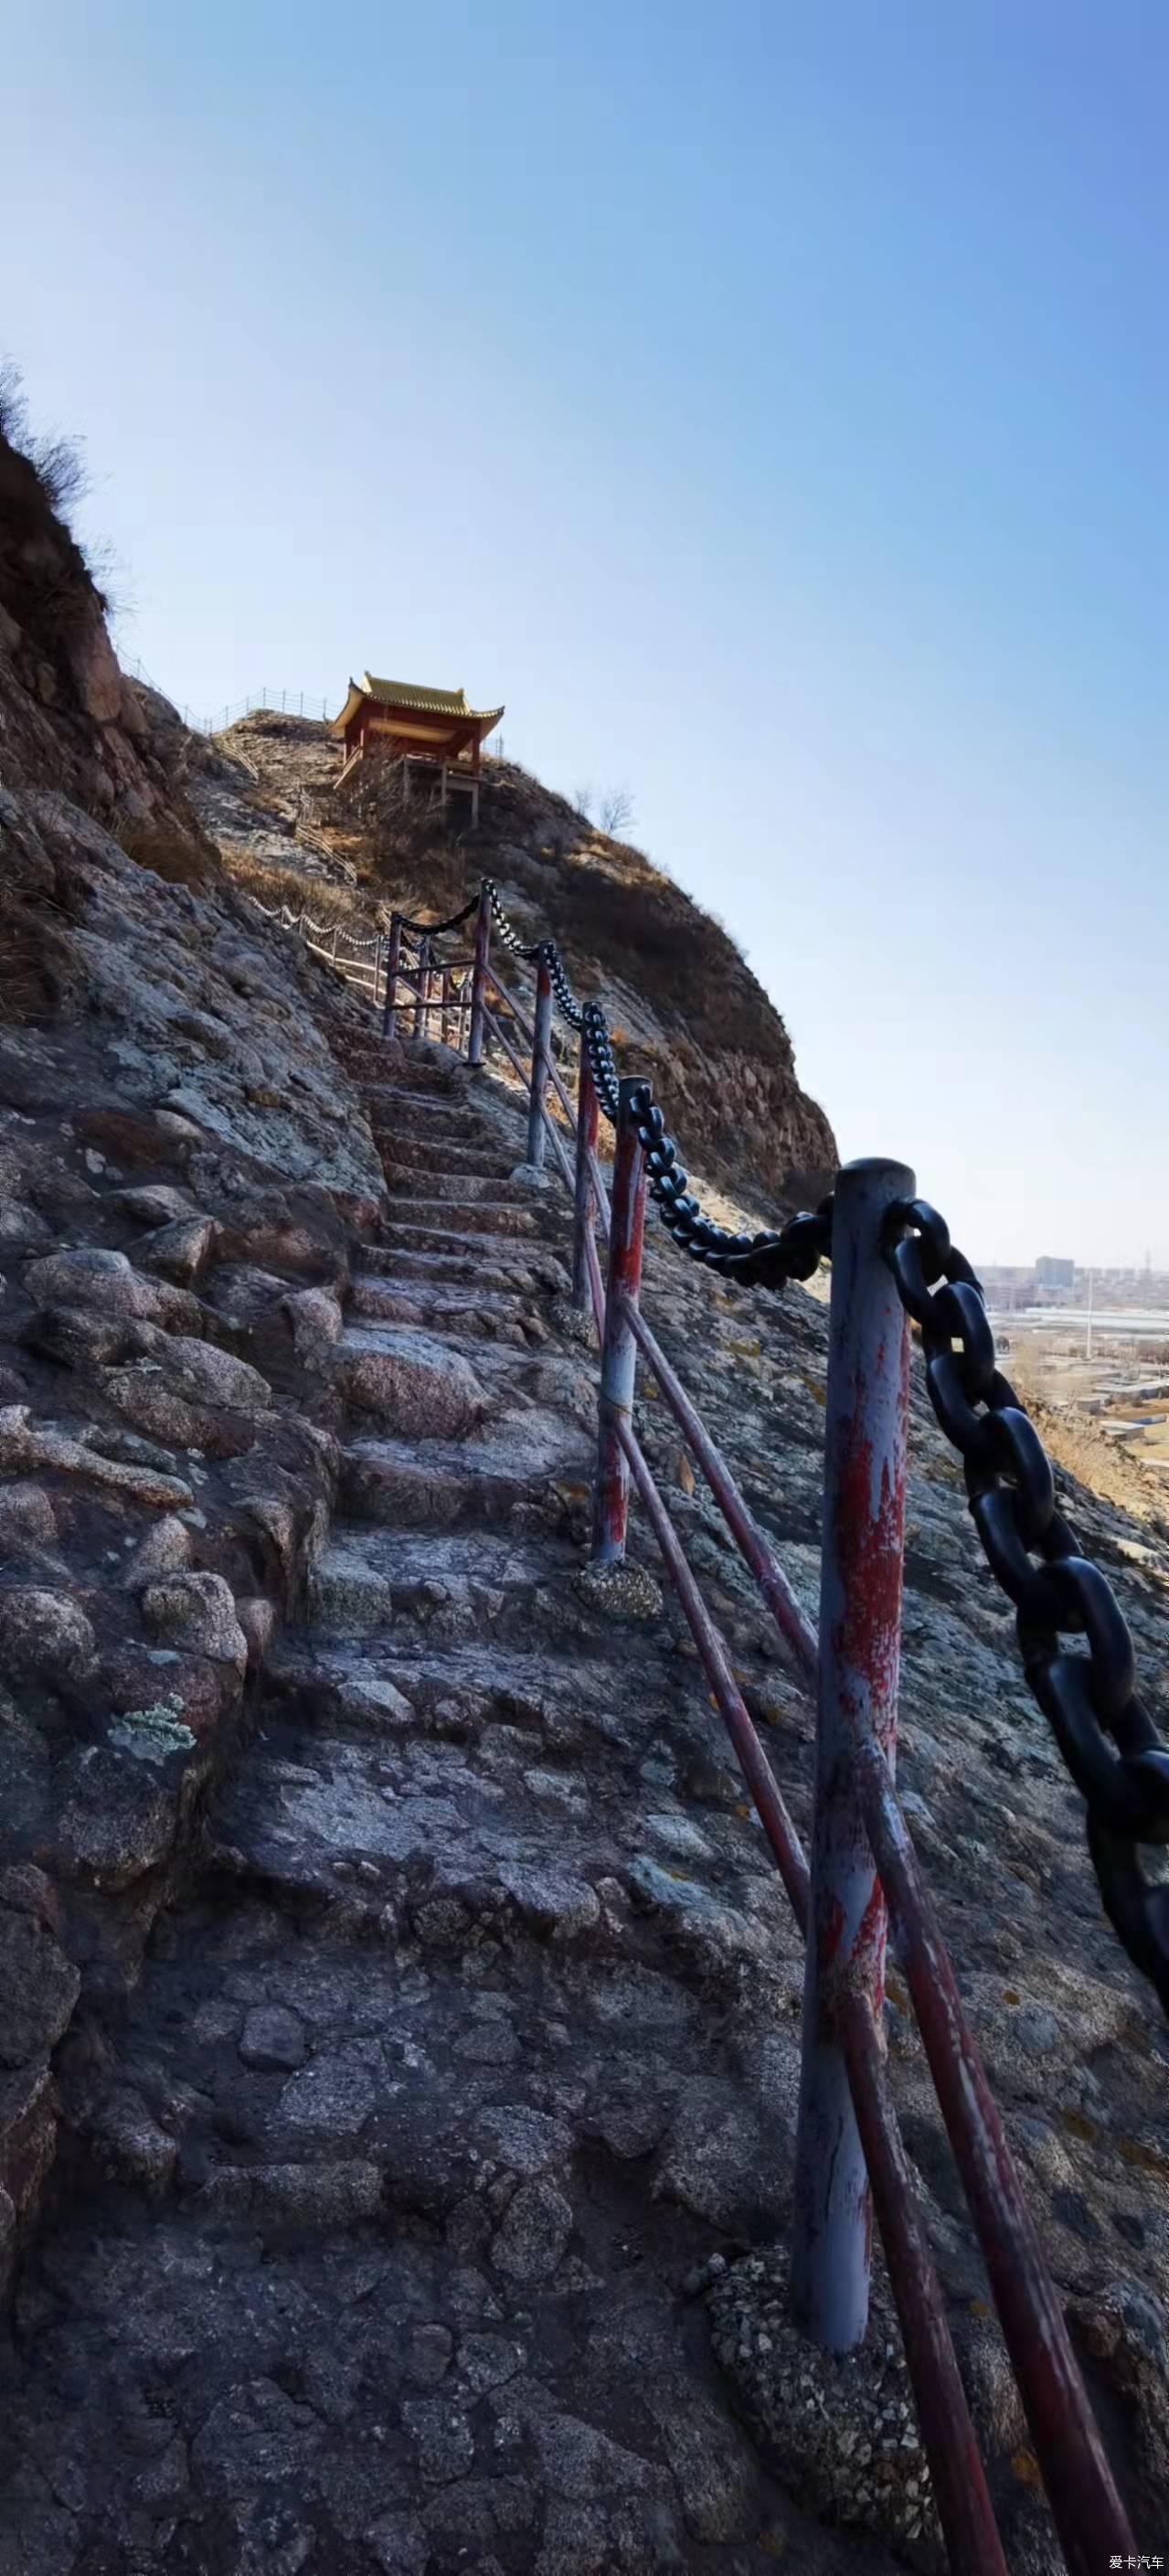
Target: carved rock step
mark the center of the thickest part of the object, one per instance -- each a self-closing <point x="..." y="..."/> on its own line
<point x="470" y="1309"/>
<point x="526" y="1472"/>
<point x="458" y="1586"/>
<point x="470" y="1260"/>
<point x="423" y="1829"/>
<point x="409" y="1380"/>
<point x="404" y="1153"/>
<point x="557" y="1706"/>
<point x="460" y="1132"/>
<point x="443" y="1384"/>
<point x="470" y="1188"/>
<point x="435" y="1225"/>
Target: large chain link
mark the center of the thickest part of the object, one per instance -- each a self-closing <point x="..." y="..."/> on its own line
<point x="1104" y="1731"/>
<point x="510" y="937"/>
<point x="755" y="1260"/>
<point x="764" y="1260"/>
<point x="434" y="929"/>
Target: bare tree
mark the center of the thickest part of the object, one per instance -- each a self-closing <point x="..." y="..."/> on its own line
<point x="617" y="810"/>
<point x="582" y="798"/>
<point x="13" y="409"/>
<point x="57" y="462"/>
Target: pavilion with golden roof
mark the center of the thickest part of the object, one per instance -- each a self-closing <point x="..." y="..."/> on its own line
<point x="432" y="734"/>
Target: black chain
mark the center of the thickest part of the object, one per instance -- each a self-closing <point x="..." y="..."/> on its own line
<point x="1104" y="1732"/>
<point x="573" y="1011"/>
<point x="755" y="1260"/>
<point x="434" y="929"/>
<point x="764" y="1260"/>
<point x="1087" y="1698"/>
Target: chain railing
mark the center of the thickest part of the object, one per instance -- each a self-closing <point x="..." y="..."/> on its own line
<point x="282" y="702"/>
<point x="892" y="1265"/>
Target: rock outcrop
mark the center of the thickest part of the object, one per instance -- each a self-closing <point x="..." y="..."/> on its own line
<point x="683" y="1002"/>
<point x="69" y="718"/>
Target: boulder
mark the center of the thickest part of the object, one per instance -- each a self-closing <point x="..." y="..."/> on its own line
<point x="183" y="1251"/>
<point x="45" y="1636"/>
<point x="414" y="1385"/>
<point x="196" y="1611"/>
<point x="38" y="1986"/>
<point x="91" y="1278"/>
<point x="535" y="2232"/>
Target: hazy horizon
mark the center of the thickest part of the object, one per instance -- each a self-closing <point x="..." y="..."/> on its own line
<point x="770" y="411"/>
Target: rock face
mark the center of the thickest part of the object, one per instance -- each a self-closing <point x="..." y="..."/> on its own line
<point x="685" y="1005"/>
<point x="67" y="715"/>
<point x="439" y="2164"/>
<point x="181" y="1155"/>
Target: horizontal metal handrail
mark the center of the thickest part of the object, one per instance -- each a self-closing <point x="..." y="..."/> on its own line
<point x="791" y="1619"/>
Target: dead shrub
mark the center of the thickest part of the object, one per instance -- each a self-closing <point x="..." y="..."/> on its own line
<point x="174" y="856"/>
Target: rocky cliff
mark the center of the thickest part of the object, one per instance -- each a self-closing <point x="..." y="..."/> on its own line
<point x="399" y="2013"/>
<point x="685" y="1004"/>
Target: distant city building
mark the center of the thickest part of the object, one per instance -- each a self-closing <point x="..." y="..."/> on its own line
<point x="1053" y="1273"/>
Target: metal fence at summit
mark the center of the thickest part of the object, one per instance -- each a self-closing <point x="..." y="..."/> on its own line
<point x="893" y="1267"/>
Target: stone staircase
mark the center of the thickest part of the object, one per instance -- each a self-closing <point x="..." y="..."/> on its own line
<point x="473" y="2036"/>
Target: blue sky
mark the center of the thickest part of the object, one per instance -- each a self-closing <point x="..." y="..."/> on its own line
<point x="768" y="403"/>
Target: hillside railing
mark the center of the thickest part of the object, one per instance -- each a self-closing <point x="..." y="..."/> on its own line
<point x="891" y="1263"/>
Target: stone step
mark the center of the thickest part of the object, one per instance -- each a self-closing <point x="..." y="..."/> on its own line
<point x="438" y="1225"/>
<point x="527" y="1472"/>
<point x="495" y="1313"/>
<point x="466" y="1584"/>
<point x="420" y="1827"/>
<point x="466" y="1376"/>
<point x="470" y="1189"/>
<point x="402" y="1152"/>
<point x="469" y="1261"/>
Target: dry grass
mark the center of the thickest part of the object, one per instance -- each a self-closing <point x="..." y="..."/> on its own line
<point x="177" y="857"/>
<point x="275" y="885"/>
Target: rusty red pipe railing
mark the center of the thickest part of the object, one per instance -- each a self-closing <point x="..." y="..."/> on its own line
<point x="1089" y="2516"/>
<point x="792" y="1621"/>
<point x="965" y="2511"/>
<point x="541" y="1061"/>
<point x="501" y="1038"/>
<point x="618" y="1348"/>
<point x="393" y="962"/>
<point x="1087" y="2509"/>
<point x="956" y="2470"/>
<point x="583" y="1193"/>
<point x="865" y="1425"/>
<point x="479" y="977"/>
<point x="753" y="1762"/>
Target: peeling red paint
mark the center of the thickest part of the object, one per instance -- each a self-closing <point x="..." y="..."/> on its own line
<point x="868" y="1548"/>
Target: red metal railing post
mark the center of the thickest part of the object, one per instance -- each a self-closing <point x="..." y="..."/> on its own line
<point x="541" y="1061"/>
<point x="444" y="1017"/>
<point x="618" y="1348"/>
<point x="393" y="961"/>
<point x="479" y="977"/>
<point x="422" y="988"/>
<point x="584" y="1217"/>
<point x="866" y="1414"/>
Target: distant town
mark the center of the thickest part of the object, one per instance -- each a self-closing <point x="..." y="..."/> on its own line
<point x="1090" y="1342"/>
<point x="1054" y="1280"/>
